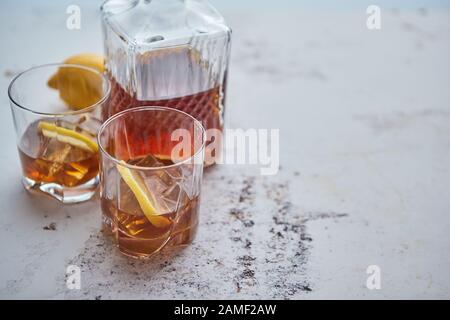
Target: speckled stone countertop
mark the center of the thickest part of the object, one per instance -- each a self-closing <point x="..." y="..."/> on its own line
<point x="364" y="178"/>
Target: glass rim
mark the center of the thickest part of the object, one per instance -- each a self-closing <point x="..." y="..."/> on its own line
<point x="61" y="114"/>
<point x="149" y="108"/>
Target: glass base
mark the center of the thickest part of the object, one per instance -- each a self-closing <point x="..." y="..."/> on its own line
<point x="173" y="243"/>
<point x="63" y="194"/>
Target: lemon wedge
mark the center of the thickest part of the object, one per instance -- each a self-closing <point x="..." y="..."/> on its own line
<point x="76" y="139"/>
<point x="79" y="172"/>
<point x="143" y="196"/>
<point x="162" y="157"/>
<point x="77" y="87"/>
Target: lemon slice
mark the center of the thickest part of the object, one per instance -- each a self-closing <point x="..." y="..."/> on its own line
<point x="163" y="157"/>
<point x="76" y="139"/>
<point x="143" y="196"/>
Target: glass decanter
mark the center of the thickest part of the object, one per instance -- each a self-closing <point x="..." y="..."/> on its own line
<point x="171" y="53"/>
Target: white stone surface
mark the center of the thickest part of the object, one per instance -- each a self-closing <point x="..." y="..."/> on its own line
<point x="364" y="119"/>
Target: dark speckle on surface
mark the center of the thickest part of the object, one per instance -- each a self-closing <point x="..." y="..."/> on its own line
<point x="241" y="251"/>
<point x="51" y="226"/>
<point x="10" y="73"/>
<point x="246" y="191"/>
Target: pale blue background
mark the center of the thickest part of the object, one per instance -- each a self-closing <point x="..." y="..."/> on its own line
<point x="264" y="4"/>
<point x="364" y="120"/>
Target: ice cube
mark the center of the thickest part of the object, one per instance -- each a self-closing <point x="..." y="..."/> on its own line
<point x="157" y="188"/>
<point x="89" y="126"/>
<point x="168" y="177"/>
<point x="189" y="179"/>
<point x="127" y="201"/>
<point x="147" y="161"/>
<point x="56" y="153"/>
<point x="168" y="189"/>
